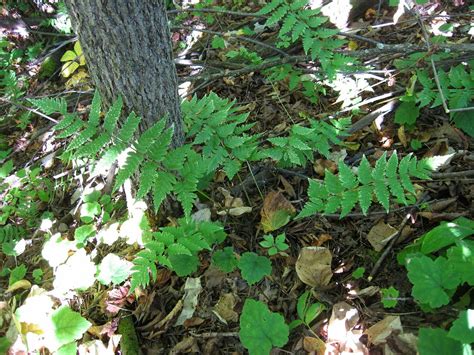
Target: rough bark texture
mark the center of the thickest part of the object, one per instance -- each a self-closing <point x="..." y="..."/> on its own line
<point x="128" y="51"/>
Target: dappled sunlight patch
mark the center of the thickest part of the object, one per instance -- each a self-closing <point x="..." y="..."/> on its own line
<point x="77" y="273"/>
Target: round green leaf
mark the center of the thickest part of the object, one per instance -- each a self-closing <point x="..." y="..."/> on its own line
<point x="261" y="329"/>
<point x="68" y="325"/>
<point x="254" y="267"/>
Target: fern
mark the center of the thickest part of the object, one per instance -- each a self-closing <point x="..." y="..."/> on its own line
<point x="216" y="124"/>
<point x="306" y="25"/>
<point x="388" y="179"/>
<point x="50" y="105"/>
<point x="299" y="146"/>
<point x="176" y="248"/>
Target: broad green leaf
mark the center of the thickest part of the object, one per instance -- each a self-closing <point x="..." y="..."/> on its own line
<point x="463" y="327"/>
<point x="446" y="234"/>
<point x="82" y="233"/>
<point x="225" y="259"/>
<point x="254" y="267"/>
<point x="114" y="270"/>
<point x="432" y="280"/>
<point x="261" y="329"/>
<point x="184" y="265"/>
<point x="68" y="325"/>
<point x="89" y="210"/>
<point x="407" y="113"/>
<point x="435" y="341"/>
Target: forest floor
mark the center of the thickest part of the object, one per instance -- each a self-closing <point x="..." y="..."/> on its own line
<point x="367" y="285"/>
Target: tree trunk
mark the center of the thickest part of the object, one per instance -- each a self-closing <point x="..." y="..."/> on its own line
<point x="128" y="51"/>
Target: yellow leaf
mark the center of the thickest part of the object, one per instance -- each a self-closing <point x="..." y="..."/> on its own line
<point x="19" y="284"/>
<point x="69" y="68"/>
<point x="68" y="56"/>
<point x="276" y="211"/>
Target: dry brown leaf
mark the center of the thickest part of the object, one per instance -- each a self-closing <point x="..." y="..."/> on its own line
<point x="233" y="206"/>
<point x="314" y="266"/>
<point x="380" y="235"/>
<point x="380" y="331"/>
<point x="288" y="188"/>
<point x="276" y="211"/>
<point x="316" y="345"/>
<point x="224" y="309"/>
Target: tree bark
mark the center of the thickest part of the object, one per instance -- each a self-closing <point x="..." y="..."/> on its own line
<point x="127" y="46"/>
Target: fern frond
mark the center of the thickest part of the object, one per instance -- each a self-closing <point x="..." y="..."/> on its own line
<point x="113" y="115"/>
<point x="68" y="119"/>
<point x="132" y="163"/>
<point x="128" y="129"/>
<point x="82" y="138"/>
<point x="147" y="179"/>
<point x="50" y="105"/>
<point x="73" y="128"/>
<point x="94" y="114"/>
<point x="94" y="147"/>
<point x="164" y="184"/>
<point x="381" y="183"/>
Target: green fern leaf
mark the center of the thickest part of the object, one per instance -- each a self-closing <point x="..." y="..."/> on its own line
<point x="132" y="163"/>
<point x="423" y="170"/>
<point x="348" y="202"/>
<point x="298" y="30"/>
<point x="332" y="183"/>
<point x="404" y="176"/>
<point x="158" y="150"/>
<point x="186" y="196"/>
<point x="75" y="127"/>
<point x="332" y="204"/>
<point x="178" y="249"/>
<point x="147" y="138"/>
<point x="277" y="15"/>
<point x="395" y="187"/>
<point x="94" y="114"/>
<point x="270" y="7"/>
<point x="365" y="197"/>
<point x="298" y="4"/>
<point x="382" y="194"/>
<point x="147" y="179"/>
<point x="164" y="184"/>
<point x="68" y="119"/>
<point x="231" y="167"/>
<point x="82" y="138"/>
<point x="128" y="129"/>
<point x="346" y="176"/>
<point x="297" y="143"/>
<point x="175" y="158"/>
<point x="307" y="40"/>
<point x="91" y="149"/>
<point x="312" y="207"/>
<point x="113" y="115"/>
<point x="50" y="105"/>
<point x="365" y="172"/>
<point x="380" y="166"/>
<point x="288" y="24"/>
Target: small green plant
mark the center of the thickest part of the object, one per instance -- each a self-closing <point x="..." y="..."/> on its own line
<point x="299" y="146"/>
<point x="306" y="25"/>
<point x="307" y="311"/>
<point x="389" y="297"/>
<point x="438" y="263"/>
<point x="345" y="190"/>
<point x="358" y="273"/>
<point x="225" y="259"/>
<point x="73" y="60"/>
<point x="254" y="267"/>
<point x="176" y="248"/>
<point x="261" y="329"/>
<point x="275" y="245"/>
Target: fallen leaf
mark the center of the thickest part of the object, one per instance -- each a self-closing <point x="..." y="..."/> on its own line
<point x="19" y="285"/>
<point x="224" y="309"/>
<point x="314" y="266"/>
<point x="193" y="322"/>
<point x="276" y="212"/>
<point x="401" y="136"/>
<point x="365" y="292"/>
<point x="288" y="188"/>
<point x="316" y="345"/>
<point x="192" y="289"/>
<point x="233" y="206"/>
<point x="380" y="331"/>
<point x="380" y="235"/>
